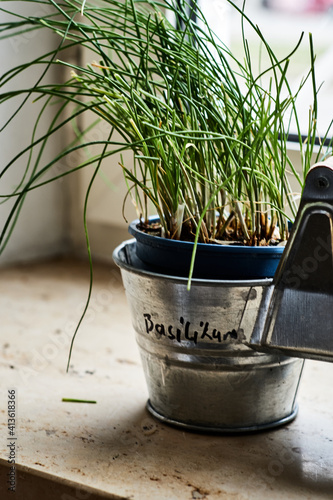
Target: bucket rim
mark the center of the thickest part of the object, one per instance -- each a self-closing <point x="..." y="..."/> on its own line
<point x="137" y="267"/>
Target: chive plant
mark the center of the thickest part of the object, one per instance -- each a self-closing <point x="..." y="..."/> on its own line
<point x="209" y="139"/>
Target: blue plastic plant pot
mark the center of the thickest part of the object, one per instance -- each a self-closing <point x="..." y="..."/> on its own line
<point x="212" y="261"/>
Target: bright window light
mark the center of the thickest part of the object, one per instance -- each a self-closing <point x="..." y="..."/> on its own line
<point x="282" y="23"/>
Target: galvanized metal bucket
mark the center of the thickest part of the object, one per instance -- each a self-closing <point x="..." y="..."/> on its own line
<point x="199" y="374"/>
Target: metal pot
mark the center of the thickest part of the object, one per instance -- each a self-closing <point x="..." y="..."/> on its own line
<point x="199" y="374"/>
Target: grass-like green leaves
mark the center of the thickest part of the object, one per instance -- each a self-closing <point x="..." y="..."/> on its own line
<point x="209" y="140"/>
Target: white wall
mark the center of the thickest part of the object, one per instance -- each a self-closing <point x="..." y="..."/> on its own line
<point x="41" y="229"/>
